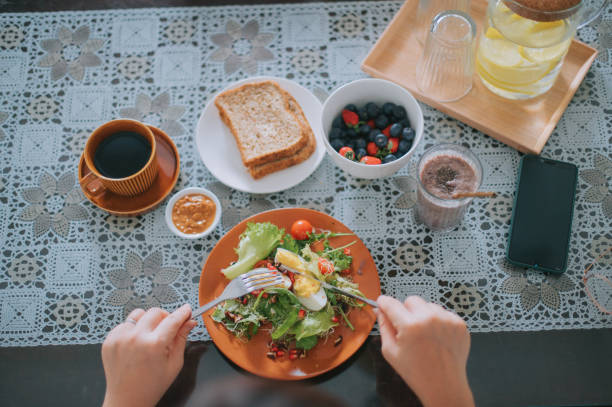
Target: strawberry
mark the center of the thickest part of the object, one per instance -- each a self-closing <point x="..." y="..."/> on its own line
<point x="386" y="131"/>
<point x="371" y="148"/>
<point x="347" y="152"/>
<point x="393" y="144"/>
<point x="370" y="160"/>
<point x="350" y="118"/>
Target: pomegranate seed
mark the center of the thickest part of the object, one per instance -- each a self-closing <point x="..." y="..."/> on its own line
<point x="265" y="295"/>
<point x="274" y="349"/>
<point x="245" y="300"/>
<point x="301" y="313"/>
<point x="334" y="319"/>
<point x="293" y="351"/>
<point x="280" y="354"/>
<point x="293" y="356"/>
<point x="255" y="293"/>
<point x="271" y="267"/>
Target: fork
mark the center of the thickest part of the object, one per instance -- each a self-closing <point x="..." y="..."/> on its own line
<point x="257" y="279"/>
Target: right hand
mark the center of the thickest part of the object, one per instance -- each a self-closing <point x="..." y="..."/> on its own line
<point x="428" y="347"/>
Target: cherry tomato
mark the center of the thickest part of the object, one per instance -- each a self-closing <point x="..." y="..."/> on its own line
<point x="301" y="229"/>
<point x="335" y="319"/>
<point x="370" y="160"/>
<point x="261" y="263"/>
<point x="325" y="266"/>
<point x="347" y="251"/>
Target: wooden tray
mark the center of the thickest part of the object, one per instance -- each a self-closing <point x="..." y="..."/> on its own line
<point x="525" y="125"/>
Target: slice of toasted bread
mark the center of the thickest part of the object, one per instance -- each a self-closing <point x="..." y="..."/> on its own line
<point x="261" y="170"/>
<point x="263" y="124"/>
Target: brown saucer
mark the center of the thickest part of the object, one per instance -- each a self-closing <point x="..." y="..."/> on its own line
<point x="169" y="168"/>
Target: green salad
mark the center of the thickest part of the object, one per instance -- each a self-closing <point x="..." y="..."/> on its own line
<point x="300" y="312"/>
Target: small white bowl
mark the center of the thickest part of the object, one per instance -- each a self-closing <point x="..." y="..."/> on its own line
<point x="359" y="93"/>
<point x="182" y="193"/>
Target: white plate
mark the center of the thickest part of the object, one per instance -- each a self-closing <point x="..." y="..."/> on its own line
<point x="220" y="154"/>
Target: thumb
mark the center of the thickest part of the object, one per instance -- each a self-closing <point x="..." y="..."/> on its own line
<point x="387" y="332"/>
<point x="180" y="341"/>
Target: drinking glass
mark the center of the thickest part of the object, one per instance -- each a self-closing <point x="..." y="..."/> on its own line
<point x="445" y="69"/>
<point x="441" y="214"/>
<point x="428" y="9"/>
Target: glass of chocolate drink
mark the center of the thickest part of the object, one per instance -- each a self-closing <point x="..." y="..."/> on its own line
<point x="443" y="172"/>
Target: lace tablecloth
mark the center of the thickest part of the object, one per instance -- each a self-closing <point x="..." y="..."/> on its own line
<point x="69" y="271"/>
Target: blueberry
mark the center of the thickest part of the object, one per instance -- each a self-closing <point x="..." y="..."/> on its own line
<point x="351" y="133"/>
<point x="350" y="144"/>
<point x="408" y="134"/>
<point x="405" y="122"/>
<point x="372" y="109"/>
<point x="388" y="108"/>
<point x="404" y="146"/>
<point x="395" y="130"/>
<point x="337" y="144"/>
<point x="372" y="135"/>
<point x="381" y="121"/>
<point x="361" y="152"/>
<point x="351" y="107"/>
<point x="399" y="112"/>
<point x="364" y="130"/>
<point x="360" y="143"/>
<point x="363" y="114"/>
<point x="335" y="133"/>
<point x="381" y="140"/>
<point x="338" y="123"/>
<point x="389" y="158"/>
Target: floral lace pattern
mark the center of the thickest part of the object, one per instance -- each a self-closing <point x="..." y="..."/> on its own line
<point x="69" y="272"/>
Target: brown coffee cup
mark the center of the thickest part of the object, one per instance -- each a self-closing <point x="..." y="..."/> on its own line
<point x="135" y="184"/>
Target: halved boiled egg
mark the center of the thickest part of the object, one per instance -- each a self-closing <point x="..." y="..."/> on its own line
<point x="307" y="290"/>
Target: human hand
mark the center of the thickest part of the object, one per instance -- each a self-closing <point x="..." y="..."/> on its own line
<point x="141" y="359"/>
<point x="428" y="347"/>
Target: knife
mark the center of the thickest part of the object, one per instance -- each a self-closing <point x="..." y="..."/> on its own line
<point x="331" y="287"/>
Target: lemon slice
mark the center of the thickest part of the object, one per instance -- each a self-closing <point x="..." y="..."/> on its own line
<point x="545" y="34"/>
<point x="548" y="54"/>
<point x="493" y="34"/>
<point x="500" y="52"/>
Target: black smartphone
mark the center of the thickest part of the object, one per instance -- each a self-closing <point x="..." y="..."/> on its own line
<point x="542" y="214"/>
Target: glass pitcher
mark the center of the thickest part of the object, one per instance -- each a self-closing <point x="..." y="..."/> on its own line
<point x="521" y="50"/>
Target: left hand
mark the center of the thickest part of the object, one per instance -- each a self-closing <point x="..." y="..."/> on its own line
<point x="142" y="359"/>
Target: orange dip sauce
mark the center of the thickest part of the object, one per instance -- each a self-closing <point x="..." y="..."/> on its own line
<point x="193" y="213"/>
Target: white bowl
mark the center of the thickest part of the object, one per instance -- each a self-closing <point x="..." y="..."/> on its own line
<point x="359" y="93"/>
<point x="182" y="193"/>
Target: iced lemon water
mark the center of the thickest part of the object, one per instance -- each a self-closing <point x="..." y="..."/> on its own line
<point x="519" y="58"/>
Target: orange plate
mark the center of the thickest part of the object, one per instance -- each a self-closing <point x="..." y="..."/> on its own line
<point x="168" y="172"/>
<point x="251" y="355"/>
<point x="525" y="125"/>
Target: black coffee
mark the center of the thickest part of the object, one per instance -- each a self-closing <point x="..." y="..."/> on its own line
<point x="122" y="154"/>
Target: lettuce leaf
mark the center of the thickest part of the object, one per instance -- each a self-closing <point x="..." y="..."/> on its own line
<point x="306" y="343"/>
<point x="245" y="325"/>
<point x="314" y="324"/>
<point x="256" y="243"/>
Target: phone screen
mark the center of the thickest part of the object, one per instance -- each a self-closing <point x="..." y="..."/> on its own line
<point x="542" y="214"/>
